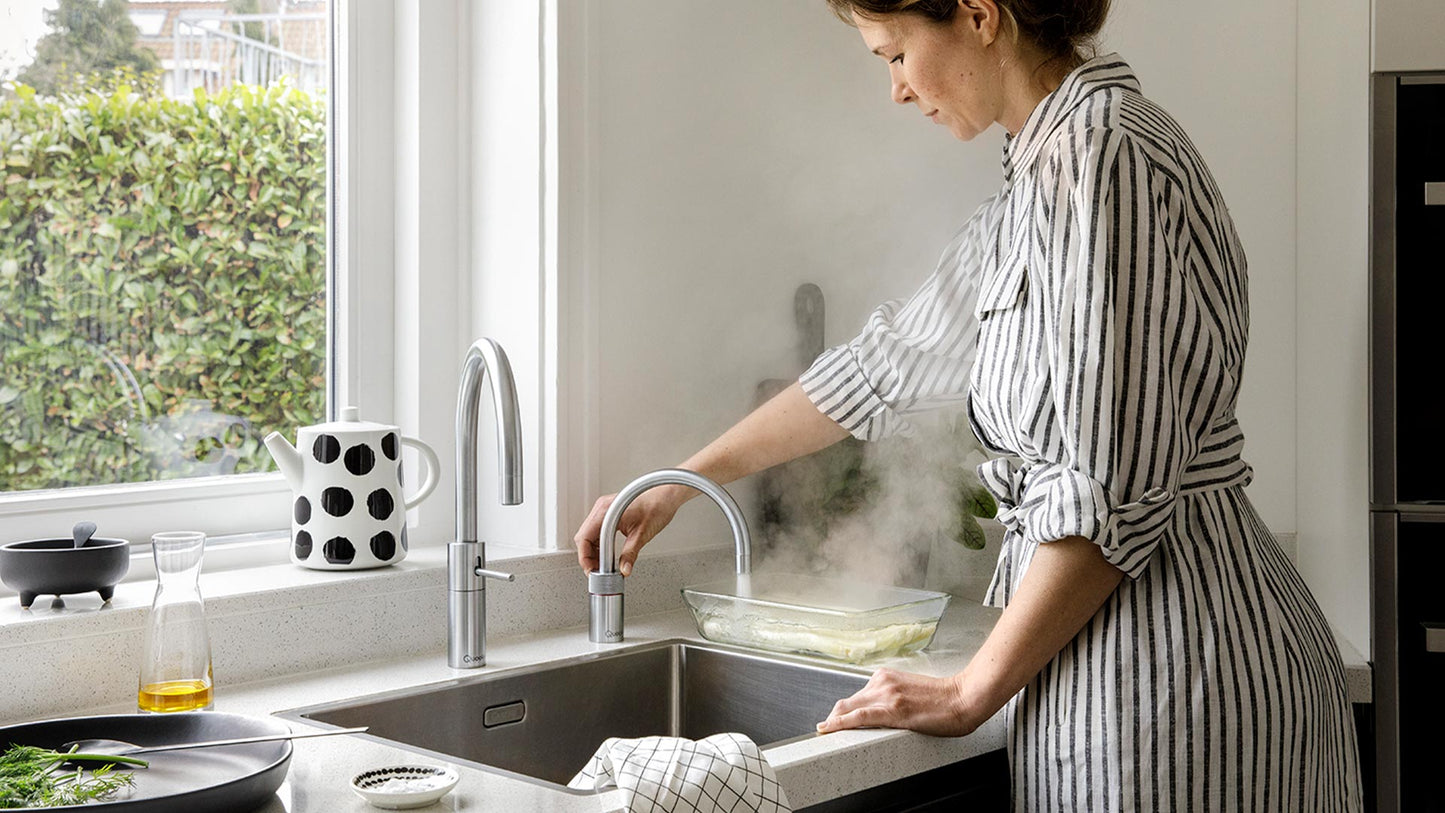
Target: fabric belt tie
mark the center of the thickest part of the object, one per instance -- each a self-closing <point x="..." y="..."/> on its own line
<point x="1217" y="465"/>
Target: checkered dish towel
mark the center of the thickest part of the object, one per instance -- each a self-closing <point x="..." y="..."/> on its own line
<point x="724" y="773"/>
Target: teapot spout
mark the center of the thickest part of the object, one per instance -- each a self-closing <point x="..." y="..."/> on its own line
<point x="288" y="460"/>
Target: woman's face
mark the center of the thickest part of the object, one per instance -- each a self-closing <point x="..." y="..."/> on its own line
<point x="948" y="70"/>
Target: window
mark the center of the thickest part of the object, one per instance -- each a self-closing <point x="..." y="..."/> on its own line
<point x="421" y="250"/>
<point x="163" y="248"/>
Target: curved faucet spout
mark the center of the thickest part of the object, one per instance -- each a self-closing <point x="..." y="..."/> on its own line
<point x="605" y="585"/>
<point x="486" y="361"/>
<point x="607" y="552"/>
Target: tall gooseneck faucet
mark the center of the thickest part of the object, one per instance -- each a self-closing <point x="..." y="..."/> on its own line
<point x="604" y="585"/>
<point x="466" y="557"/>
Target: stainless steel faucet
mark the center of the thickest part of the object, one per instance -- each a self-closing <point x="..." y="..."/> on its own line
<point x="604" y="585"/>
<point x="466" y="557"/>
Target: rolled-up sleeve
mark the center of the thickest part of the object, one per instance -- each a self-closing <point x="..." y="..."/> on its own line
<point x="1132" y="366"/>
<point x="912" y="356"/>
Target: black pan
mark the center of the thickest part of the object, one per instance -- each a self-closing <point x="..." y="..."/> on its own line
<point x="230" y="779"/>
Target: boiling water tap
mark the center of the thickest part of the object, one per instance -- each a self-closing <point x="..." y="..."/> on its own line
<point x="604" y="585"/>
<point x="466" y="557"/>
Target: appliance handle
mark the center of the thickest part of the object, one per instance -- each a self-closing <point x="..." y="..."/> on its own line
<point x="1435" y="193"/>
<point x="1434" y="637"/>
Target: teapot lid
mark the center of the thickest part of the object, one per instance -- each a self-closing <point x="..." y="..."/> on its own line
<point x="350" y="422"/>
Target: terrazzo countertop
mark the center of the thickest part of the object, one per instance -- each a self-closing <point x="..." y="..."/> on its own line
<point x="278" y="632"/>
<point x="812" y="770"/>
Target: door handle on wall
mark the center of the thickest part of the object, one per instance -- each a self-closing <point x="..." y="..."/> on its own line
<point x="1434" y="637"/>
<point x="1435" y="193"/>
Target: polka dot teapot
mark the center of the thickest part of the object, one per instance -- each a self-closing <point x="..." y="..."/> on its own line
<point x="348" y="512"/>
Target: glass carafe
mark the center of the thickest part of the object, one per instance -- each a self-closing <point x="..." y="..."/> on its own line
<point x="175" y="671"/>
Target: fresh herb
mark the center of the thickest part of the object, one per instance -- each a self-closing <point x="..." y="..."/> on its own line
<point x="32" y="777"/>
<point x="974" y="501"/>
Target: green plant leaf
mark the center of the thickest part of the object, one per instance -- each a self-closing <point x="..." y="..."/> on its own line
<point x="970" y="534"/>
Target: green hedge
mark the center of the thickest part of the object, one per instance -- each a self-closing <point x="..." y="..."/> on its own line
<point x="162" y="266"/>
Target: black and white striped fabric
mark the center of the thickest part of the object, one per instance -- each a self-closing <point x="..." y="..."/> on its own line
<point x="1092" y="318"/>
<point x="724" y="773"/>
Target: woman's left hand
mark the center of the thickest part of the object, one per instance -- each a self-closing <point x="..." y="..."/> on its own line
<point x="892" y="699"/>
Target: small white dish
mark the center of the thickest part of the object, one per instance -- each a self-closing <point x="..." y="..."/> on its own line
<point x="400" y="787"/>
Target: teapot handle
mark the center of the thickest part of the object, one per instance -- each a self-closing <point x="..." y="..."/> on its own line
<point x="433" y="467"/>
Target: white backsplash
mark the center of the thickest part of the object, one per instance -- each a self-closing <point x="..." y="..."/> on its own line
<point x="276" y="621"/>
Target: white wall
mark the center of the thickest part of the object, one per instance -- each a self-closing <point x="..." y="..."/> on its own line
<point x="1226" y="71"/>
<point x="503" y="112"/>
<point x="749" y="146"/>
<point x="1333" y="297"/>
<point x="741" y="149"/>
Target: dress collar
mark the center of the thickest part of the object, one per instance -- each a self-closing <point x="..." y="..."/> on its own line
<point x="1019" y="151"/>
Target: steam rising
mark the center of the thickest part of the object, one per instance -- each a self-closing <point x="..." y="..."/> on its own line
<point x="869" y="512"/>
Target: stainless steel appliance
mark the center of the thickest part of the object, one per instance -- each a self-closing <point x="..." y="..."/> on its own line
<point x="1407" y="444"/>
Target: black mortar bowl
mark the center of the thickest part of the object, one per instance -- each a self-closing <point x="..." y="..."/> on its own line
<point x="46" y="567"/>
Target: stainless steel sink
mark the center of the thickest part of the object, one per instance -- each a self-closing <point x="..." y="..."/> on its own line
<point x="543" y="723"/>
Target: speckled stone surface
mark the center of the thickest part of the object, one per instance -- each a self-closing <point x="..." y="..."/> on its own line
<point x="812" y="770"/>
<point x="285" y="638"/>
<point x="282" y="620"/>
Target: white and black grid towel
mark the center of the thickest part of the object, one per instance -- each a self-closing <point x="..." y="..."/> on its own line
<point x="724" y="773"/>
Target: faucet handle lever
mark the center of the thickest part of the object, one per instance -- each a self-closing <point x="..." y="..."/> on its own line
<point x="493" y="574"/>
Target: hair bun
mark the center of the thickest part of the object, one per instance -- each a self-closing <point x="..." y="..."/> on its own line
<point x="1062" y="28"/>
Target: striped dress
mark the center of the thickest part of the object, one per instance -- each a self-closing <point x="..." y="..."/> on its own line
<point x="1091" y="319"/>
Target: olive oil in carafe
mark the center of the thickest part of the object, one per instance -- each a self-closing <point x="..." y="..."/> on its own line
<point x="175" y="672"/>
<point x="175" y="695"/>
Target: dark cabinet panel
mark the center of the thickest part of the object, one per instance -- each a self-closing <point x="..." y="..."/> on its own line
<point x="977" y="785"/>
<point x="1419" y="290"/>
<point x="1421" y="658"/>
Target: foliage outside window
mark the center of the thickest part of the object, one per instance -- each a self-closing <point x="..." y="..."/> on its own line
<point x="162" y="265"/>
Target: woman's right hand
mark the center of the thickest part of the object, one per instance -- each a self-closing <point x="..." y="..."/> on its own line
<point x="643" y="519"/>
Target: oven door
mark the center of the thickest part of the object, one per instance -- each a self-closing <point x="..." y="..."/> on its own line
<point x="1410" y="659"/>
<point x="1407" y="270"/>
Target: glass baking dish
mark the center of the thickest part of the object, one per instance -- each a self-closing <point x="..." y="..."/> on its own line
<point x="831" y="618"/>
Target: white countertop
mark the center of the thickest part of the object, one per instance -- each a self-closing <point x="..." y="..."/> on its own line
<point x="273" y="642"/>
<point x="812" y="770"/>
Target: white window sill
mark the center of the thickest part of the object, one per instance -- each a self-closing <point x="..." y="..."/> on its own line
<point x="228" y="588"/>
<point x="274" y="621"/>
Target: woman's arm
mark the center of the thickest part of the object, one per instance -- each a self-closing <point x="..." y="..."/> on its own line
<point x="788" y="426"/>
<point x="1065" y="585"/>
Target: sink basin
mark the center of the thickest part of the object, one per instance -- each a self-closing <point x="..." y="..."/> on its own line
<point x="542" y="723"/>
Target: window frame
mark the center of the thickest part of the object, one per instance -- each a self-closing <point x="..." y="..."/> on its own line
<point x="250" y="503"/>
<point x="414" y="123"/>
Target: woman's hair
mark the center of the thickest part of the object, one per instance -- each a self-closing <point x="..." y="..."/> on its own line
<point x="1062" y="29"/>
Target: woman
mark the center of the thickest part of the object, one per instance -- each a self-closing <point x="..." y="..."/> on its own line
<point x="1156" y="650"/>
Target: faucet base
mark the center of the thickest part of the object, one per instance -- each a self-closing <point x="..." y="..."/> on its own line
<point x="467" y="632"/>
<point x="606" y="619"/>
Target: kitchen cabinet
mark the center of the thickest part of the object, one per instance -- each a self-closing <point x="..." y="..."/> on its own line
<point x="979" y="785"/>
<point x="1406" y="35"/>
